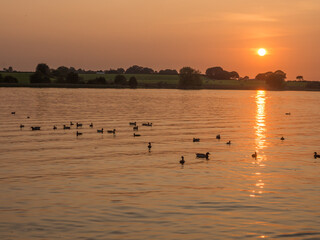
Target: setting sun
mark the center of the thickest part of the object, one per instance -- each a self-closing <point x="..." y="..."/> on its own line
<point x="262" y="52"/>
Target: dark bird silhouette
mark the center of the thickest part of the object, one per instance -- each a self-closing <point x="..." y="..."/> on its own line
<point x="182" y="161"/>
<point x="147" y="124"/>
<point x="133" y="123"/>
<point x="71" y="123"/>
<point x="91" y="125"/>
<point x="54" y="127"/>
<point x="136" y="128"/>
<point x="111" y="131"/>
<point x="13" y="113"/>
<point x="35" y="128"/>
<point x="78" y="133"/>
<point x="288" y="113"/>
<point x="202" y="155"/>
<point x="282" y="138"/>
<point x="229" y="142"/>
<point x="136" y="135"/>
<point x="21" y="126"/>
<point x="149" y="146"/>
<point x="66" y="127"/>
<point x="196" y="140"/>
<point x="79" y="125"/>
<point x="254" y="155"/>
<point x="218" y="136"/>
<point x="316" y="155"/>
<point x="100" y="130"/>
<point x="28" y="117"/>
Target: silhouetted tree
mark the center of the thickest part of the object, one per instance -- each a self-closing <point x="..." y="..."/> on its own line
<point x="217" y="73"/>
<point x="139" y="70"/>
<point x="189" y="77"/>
<point x="133" y="83"/>
<point x="8" y="79"/>
<point x="38" y="77"/>
<point x="43" y="69"/>
<point x="99" y="80"/>
<point x="120" y="80"/>
<point x="274" y="80"/>
<point x="0" y="77"/>
<point x="121" y="71"/>
<point x="299" y="78"/>
<point x="233" y="75"/>
<point x="72" y="78"/>
<point x="168" y="72"/>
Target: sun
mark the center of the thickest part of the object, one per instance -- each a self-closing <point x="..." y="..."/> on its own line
<point x="262" y="52"/>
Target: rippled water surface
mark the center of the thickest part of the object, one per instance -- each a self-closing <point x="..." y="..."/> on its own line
<point x="55" y="185"/>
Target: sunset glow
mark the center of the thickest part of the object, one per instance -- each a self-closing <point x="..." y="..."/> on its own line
<point x="262" y="52"/>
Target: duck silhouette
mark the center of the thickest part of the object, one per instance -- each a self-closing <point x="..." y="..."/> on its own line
<point x="133" y="123"/>
<point x="218" y="136"/>
<point x="316" y="155"/>
<point x="54" y="127"/>
<point x="78" y="133"/>
<point x="100" y="130"/>
<point x="136" y="128"/>
<point x="149" y="146"/>
<point x="136" y="135"/>
<point x="111" y="131"/>
<point x="282" y="138"/>
<point x="196" y="140"/>
<point x="21" y="126"/>
<point x="79" y="125"/>
<point x="91" y="125"/>
<point x="254" y="155"/>
<point x="229" y="142"/>
<point x="66" y="127"/>
<point x="182" y="161"/>
<point x="202" y="155"/>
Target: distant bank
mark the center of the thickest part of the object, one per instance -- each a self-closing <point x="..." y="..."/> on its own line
<point x="156" y="81"/>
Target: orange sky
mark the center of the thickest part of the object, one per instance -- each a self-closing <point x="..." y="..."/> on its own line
<point x="103" y="34"/>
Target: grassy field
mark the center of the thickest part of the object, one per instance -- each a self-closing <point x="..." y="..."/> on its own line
<point x="155" y="80"/>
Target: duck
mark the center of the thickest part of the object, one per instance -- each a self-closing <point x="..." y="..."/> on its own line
<point x="316" y="155"/>
<point x="100" y="130"/>
<point x="66" y="127"/>
<point x="54" y="127"/>
<point x="79" y="125"/>
<point x="21" y="126"/>
<point x="202" y="155"/>
<point x="288" y="113"/>
<point x="182" y="161"/>
<point x="13" y="113"/>
<point x="218" y="136"/>
<point x="35" y="128"/>
<point x="196" y="140"/>
<point x="254" y="155"/>
<point x="28" y="117"/>
<point x="229" y="142"/>
<point x="147" y="124"/>
<point x="149" y="146"/>
<point x="71" y="123"/>
<point x="282" y="138"/>
<point x="136" y="135"/>
<point x="78" y="133"/>
<point x="136" y="128"/>
<point x="133" y="123"/>
<point x="91" y="125"/>
<point x="111" y="131"/>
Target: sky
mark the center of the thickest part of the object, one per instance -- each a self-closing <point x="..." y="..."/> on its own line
<point x="161" y="34"/>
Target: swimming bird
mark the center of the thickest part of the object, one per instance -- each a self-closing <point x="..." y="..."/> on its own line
<point x="149" y="146"/>
<point x="136" y="128"/>
<point x="316" y="155"/>
<point x="288" y="113"/>
<point x="54" y="127"/>
<point x="71" y="123"/>
<point x="136" y="135"/>
<point x="66" y="127"/>
<point x="100" y="131"/>
<point x="28" y="117"/>
<point x="229" y="142"/>
<point x="196" y="140"/>
<point x="91" y="125"/>
<point x="182" y="161"/>
<point x="79" y="125"/>
<point x="21" y="126"/>
<point x="147" y="124"/>
<point x="133" y="123"/>
<point x="78" y="133"/>
<point x="282" y="138"/>
<point x="35" y="128"/>
<point x="218" y="136"/>
<point x="202" y="155"/>
<point x="111" y="131"/>
<point x="254" y="155"/>
<point x="13" y="113"/>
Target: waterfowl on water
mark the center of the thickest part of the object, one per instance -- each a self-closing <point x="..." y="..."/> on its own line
<point x="136" y="135"/>
<point x="78" y="133"/>
<point x="182" y="161"/>
<point x="21" y="126"/>
<point x="35" y="128"/>
<point x="288" y="113"/>
<point x="229" y="142"/>
<point x="54" y="127"/>
<point x="66" y="127"/>
<point x="316" y="155"/>
<point x="100" y="130"/>
<point x="111" y="131"/>
<point x="218" y="136"/>
<point x="254" y="155"/>
<point x="28" y="117"/>
<point x="79" y="125"/>
<point x="133" y="123"/>
<point x="196" y="140"/>
<point x="282" y="138"/>
<point x="136" y="128"/>
<point x="149" y="146"/>
<point x="147" y="124"/>
<point x="13" y="113"/>
<point x="71" y="123"/>
<point x="91" y="125"/>
<point x="202" y="155"/>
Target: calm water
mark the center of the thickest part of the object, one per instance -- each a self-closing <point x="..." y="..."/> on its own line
<point x="55" y="185"/>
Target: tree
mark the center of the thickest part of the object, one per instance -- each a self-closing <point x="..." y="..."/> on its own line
<point x="233" y="75"/>
<point x="299" y="78"/>
<point x="43" y="69"/>
<point x="168" y="72"/>
<point x="189" y="77"/>
<point x="120" y="80"/>
<point x="274" y="80"/>
<point x="8" y="79"/>
<point x="99" y="80"/>
<point x="135" y="69"/>
<point x="72" y="78"/>
<point x="217" y="73"/>
<point x="133" y="83"/>
<point x="38" y="77"/>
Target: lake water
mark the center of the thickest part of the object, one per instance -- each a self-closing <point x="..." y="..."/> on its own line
<point x="55" y="185"/>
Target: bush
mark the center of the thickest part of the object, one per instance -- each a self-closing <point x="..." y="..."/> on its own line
<point x="133" y="83"/>
<point x="73" y="78"/>
<point x="120" y="80"/>
<point x="38" y="77"/>
<point x="99" y="80"/>
<point x="8" y="79"/>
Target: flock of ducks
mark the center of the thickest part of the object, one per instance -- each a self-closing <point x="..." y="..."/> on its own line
<point x="136" y="128"/>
